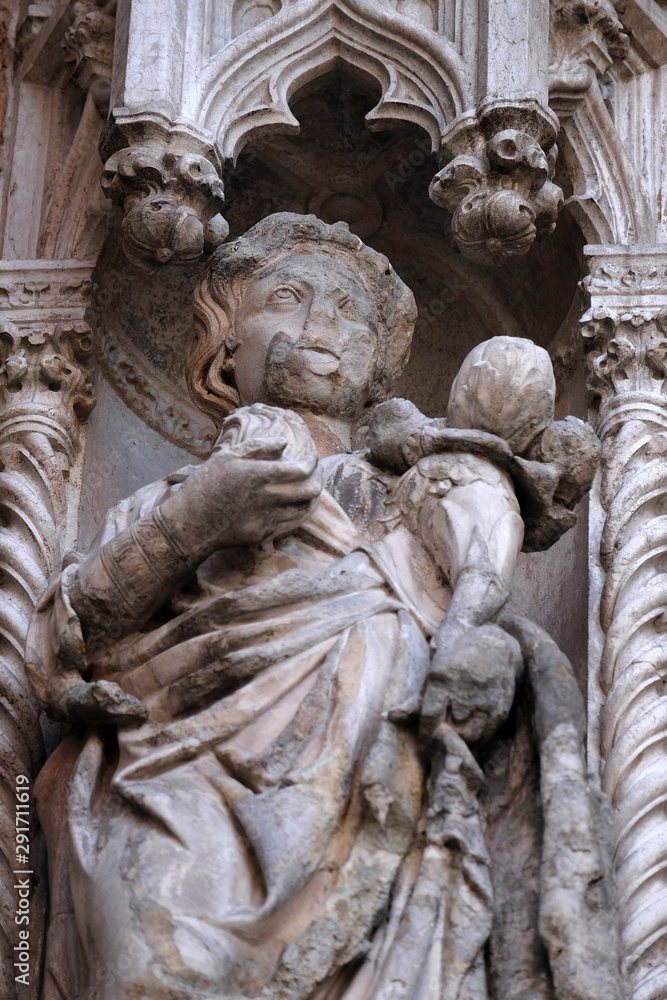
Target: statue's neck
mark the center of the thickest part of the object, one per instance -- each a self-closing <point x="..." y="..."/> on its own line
<point x="331" y="435"/>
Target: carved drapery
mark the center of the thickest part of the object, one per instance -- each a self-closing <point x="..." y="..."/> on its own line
<point x="45" y="394"/>
<point x="625" y="331"/>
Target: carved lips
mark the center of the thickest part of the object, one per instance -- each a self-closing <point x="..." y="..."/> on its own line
<point x="319" y="360"/>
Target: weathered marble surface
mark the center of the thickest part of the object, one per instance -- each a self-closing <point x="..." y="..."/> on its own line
<point x="624" y="330"/>
<point x="193" y="83"/>
<point x="323" y="753"/>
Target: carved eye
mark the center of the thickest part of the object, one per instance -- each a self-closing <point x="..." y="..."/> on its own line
<point x="284" y="296"/>
<point x="346" y="307"/>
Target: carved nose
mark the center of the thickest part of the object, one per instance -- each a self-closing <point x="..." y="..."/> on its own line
<point x="320" y="329"/>
<point x="322" y="312"/>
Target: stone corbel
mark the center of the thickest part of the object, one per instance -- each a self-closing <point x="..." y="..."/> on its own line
<point x="88" y="45"/>
<point x="170" y="198"/>
<point x="164" y="181"/>
<point x="585" y="37"/>
<point x="499" y="190"/>
<point x="625" y="330"/>
<point x="46" y="395"/>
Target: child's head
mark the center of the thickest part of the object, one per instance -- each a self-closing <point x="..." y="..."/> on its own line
<point x="505" y="386"/>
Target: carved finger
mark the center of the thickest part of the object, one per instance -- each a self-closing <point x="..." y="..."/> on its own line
<point x="288" y="471"/>
<point x="101" y="701"/>
<point x="304" y="491"/>
<point x="260" y="450"/>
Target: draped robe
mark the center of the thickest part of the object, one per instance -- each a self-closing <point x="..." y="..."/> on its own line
<point x="266" y="835"/>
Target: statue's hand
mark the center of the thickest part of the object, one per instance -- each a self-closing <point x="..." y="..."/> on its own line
<point x="394" y="435"/>
<point x="264" y="499"/>
<point x="263" y="477"/>
<point x="471" y="684"/>
<point x="96" y="702"/>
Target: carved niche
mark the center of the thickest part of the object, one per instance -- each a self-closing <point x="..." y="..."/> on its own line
<point x="214" y="90"/>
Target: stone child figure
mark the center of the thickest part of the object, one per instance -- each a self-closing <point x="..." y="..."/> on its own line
<point x="286" y="672"/>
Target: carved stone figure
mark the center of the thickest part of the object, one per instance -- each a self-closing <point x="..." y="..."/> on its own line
<point x="312" y="750"/>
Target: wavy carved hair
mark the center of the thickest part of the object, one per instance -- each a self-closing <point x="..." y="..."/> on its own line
<point x="219" y="294"/>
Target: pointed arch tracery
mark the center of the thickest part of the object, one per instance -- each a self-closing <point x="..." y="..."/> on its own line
<point x="419" y="71"/>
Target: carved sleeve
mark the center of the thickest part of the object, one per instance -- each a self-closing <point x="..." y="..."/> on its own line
<point x="130" y="577"/>
<point x="55" y="651"/>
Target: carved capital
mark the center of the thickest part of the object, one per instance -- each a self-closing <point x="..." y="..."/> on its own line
<point x="585" y="37"/>
<point x="45" y="348"/>
<point x="88" y="44"/>
<point x="33" y="289"/>
<point x="170" y="201"/>
<point x="627" y="278"/>
<point x="625" y="331"/>
<point x="502" y="199"/>
<point x="44" y="379"/>
<point x="627" y="352"/>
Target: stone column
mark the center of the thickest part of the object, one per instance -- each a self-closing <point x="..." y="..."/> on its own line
<point x="45" y="393"/>
<point x="626" y="333"/>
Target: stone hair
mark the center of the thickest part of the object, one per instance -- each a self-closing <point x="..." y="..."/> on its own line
<point x="219" y="294"/>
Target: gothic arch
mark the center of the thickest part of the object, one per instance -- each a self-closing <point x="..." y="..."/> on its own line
<point x="420" y="73"/>
<point x="607" y="201"/>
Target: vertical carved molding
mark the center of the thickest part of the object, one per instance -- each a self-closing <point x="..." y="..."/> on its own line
<point x="46" y="392"/>
<point x="88" y="45"/>
<point x="626" y="332"/>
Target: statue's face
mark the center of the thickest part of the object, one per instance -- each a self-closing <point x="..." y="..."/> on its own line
<point x="307" y="332"/>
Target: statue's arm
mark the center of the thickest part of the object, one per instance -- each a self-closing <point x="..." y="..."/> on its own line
<point x="261" y="480"/>
<point x="474" y="532"/>
<point x="93" y="599"/>
<point x="122" y="582"/>
<point x="476" y="536"/>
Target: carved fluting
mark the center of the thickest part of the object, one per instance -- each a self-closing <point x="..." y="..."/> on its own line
<point x="88" y="45"/>
<point x="502" y="200"/>
<point x="628" y="366"/>
<point x="170" y="202"/>
<point x="45" y="392"/>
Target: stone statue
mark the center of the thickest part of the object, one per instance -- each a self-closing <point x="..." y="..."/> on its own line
<point x="311" y="752"/>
